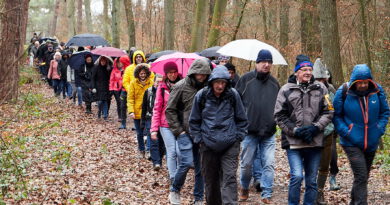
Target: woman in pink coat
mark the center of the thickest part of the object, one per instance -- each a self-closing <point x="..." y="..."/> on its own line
<point x="159" y="122"/>
<point x="115" y="86"/>
<point x="54" y="74"/>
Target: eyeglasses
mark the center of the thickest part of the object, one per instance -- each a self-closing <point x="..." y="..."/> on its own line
<point x="307" y="70"/>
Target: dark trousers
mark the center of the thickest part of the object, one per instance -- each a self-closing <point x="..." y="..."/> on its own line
<point x="116" y="95"/>
<point x="334" y="169"/>
<point x="360" y="163"/>
<point x="219" y="172"/>
<point x="123" y="106"/>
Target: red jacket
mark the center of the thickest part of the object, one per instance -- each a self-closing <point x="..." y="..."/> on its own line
<point x="160" y="105"/>
<point x="53" y="71"/>
<point x="117" y="74"/>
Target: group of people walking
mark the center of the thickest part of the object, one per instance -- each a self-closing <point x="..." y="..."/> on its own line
<point x="217" y="124"/>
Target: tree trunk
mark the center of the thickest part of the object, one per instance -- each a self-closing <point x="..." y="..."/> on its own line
<point x="130" y="22"/>
<point x="13" y="36"/>
<point x="87" y="6"/>
<point x="148" y="23"/>
<point x="197" y="32"/>
<point x="283" y="37"/>
<point x="114" y="25"/>
<point x="264" y="18"/>
<point x="169" y="25"/>
<point x="211" y="13"/>
<point x="310" y="39"/>
<point x="362" y="5"/>
<point x="239" y="20"/>
<point x="71" y="19"/>
<point x="79" y="16"/>
<point x="106" y="21"/>
<point x="219" y="10"/>
<point x="330" y="40"/>
<point x="55" y="18"/>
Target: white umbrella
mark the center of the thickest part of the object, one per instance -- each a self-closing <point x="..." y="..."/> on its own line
<point x="248" y="50"/>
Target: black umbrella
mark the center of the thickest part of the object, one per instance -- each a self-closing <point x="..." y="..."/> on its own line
<point x="210" y="52"/>
<point x="154" y="56"/>
<point x="87" y="39"/>
<point x="77" y="59"/>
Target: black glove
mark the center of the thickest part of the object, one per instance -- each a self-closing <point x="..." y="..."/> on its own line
<point x="309" y="133"/>
<point x="298" y="133"/>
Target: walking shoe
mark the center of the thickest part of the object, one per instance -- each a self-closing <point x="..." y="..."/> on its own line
<point x="198" y="202"/>
<point x="320" y="198"/>
<point x="157" y="167"/>
<point x="257" y="186"/>
<point x="123" y="126"/>
<point x="147" y="155"/>
<point x="333" y="185"/>
<point x="141" y="154"/>
<point x="244" y="194"/>
<point x="174" y="197"/>
<point x="266" y="200"/>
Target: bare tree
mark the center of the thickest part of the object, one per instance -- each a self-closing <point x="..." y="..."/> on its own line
<point x="114" y="24"/>
<point x="197" y="32"/>
<point x="79" y="16"/>
<point x="13" y="36"/>
<point x="71" y="18"/>
<point x="169" y="25"/>
<point x="362" y="6"/>
<point x="55" y="18"/>
<point x="264" y="19"/>
<point x="130" y="22"/>
<point x="239" y="19"/>
<point x="283" y="36"/>
<point x="219" y="10"/>
<point x="87" y="6"/>
<point x="310" y="40"/>
<point x="106" y="21"/>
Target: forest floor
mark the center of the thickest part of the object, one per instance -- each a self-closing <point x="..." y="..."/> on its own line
<point x="59" y="155"/>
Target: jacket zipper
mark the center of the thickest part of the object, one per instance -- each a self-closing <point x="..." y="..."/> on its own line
<point x="365" y="118"/>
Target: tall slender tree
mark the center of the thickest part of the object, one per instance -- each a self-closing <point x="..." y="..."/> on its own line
<point x="130" y="22"/>
<point x="197" y="31"/>
<point x="264" y="21"/>
<point x="310" y="39"/>
<point x="219" y="11"/>
<point x="106" y="21"/>
<point x="169" y="25"/>
<point x="284" y="12"/>
<point x="55" y="18"/>
<point x="13" y="23"/>
<point x="114" y="24"/>
<point x="71" y="19"/>
<point x="79" y="16"/>
<point x="241" y="15"/>
<point x="87" y="6"/>
<point x="366" y="41"/>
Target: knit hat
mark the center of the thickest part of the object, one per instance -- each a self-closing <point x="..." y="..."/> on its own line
<point x="264" y="55"/>
<point x="302" y="61"/>
<point x="320" y="70"/>
<point x="170" y="66"/>
<point x="230" y="66"/>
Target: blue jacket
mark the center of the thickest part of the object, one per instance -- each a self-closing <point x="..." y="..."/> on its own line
<point x="361" y="121"/>
<point x="218" y="122"/>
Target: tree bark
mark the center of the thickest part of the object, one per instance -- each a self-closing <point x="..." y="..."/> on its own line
<point x="211" y="13"/>
<point x="239" y="20"/>
<point x="330" y="40"/>
<point x="310" y="39"/>
<point x="362" y="5"/>
<point x="87" y="6"/>
<point x="130" y="22"/>
<point x="106" y="21"/>
<point x="264" y="18"/>
<point x="55" y="18"/>
<point x="197" y="32"/>
<point x="13" y="36"/>
<point x="114" y="25"/>
<point x="79" y="16"/>
<point x="169" y="25"/>
<point x="71" y="19"/>
<point x="283" y="37"/>
<point x="219" y="10"/>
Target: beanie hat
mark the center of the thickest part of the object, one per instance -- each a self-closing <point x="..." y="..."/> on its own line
<point x="302" y="61"/>
<point x="230" y="66"/>
<point x="170" y="66"/>
<point x="264" y="55"/>
<point x="320" y="70"/>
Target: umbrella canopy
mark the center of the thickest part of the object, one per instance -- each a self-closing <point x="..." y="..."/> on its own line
<point x="87" y="39"/>
<point x="183" y="61"/>
<point x="78" y="58"/>
<point x="154" y="56"/>
<point x="210" y="52"/>
<point x="108" y="51"/>
<point x="248" y="50"/>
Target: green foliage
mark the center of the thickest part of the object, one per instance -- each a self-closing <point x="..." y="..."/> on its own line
<point x="28" y="75"/>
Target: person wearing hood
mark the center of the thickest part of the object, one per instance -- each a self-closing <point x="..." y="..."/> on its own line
<point x="54" y="74"/>
<point x="84" y="74"/>
<point x="63" y="67"/>
<point x="47" y="57"/>
<point x="116" y="86"/>
<point x="258" y="90"/>
<point x="361" y="115"/>
<point x="135" y="96"/>
<point x="177" y="114"/>
<point x="303" y="109"/>
<point x="218" y="123"/>
<point x="159" y="120"/>
<point x="100" y="80"/>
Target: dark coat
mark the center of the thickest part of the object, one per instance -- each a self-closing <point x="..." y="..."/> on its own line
<point x="221" y="121"/>
<point x="63" y="68"/>
<point x="100" y="80"/>
<point x="83" y="80"/>
<point x="259" y="97"/>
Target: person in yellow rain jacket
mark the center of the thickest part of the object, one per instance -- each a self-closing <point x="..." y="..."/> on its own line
<point x="138" y="57"/>
<point x="141" y="82"/>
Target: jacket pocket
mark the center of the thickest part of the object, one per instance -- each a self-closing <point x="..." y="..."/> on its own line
<point x="350" y="127"/>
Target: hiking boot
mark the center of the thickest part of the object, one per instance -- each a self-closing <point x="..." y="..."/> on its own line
<point x="320" y="198"/>
<point x="174" y="197"/>
<point x="257" y="186"/>
<point x="244" y="194"/>
<point x="147" y="155"/>
<point x="123" y="124"/>
<point x="198" y="202"/>
<point x="266" y="201"/>
<point x="332" y="182"/>
<point x="157" y="167"/>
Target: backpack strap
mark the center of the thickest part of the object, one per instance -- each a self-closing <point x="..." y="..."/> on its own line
<point x="203" y="98"/>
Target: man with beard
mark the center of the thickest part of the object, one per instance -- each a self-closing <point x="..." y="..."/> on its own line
<point x="258" y="90"/>
<point x="177" y="114"/>
<point x="85" y="73"/>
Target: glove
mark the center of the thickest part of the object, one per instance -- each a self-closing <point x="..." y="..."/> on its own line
<point x="94" y="90"/>
<point x="299" y="132"/>
<point x="309" y="133"/>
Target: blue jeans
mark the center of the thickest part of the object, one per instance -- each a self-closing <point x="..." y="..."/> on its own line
<point x="56" y="83"/>
<point x="156" y="146"/>
<point x="308" y="160"/>
<point x="140" y="136"/>
<point x="67" y="89"/>
<point x="103" y="108"/>
<point x="79" y="91"/>
<point x="172" y="150"/>
<point x="189" y="153"/>
<point x="263" y="148"/>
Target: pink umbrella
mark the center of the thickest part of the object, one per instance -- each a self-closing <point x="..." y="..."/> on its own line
<point x="109" y="51"/>
<point x="183" y="61"/>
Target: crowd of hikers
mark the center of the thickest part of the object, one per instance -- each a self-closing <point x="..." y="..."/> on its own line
<point x="216" y="122"/>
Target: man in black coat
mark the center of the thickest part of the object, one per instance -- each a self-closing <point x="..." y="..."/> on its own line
<point x="84" y="74"/>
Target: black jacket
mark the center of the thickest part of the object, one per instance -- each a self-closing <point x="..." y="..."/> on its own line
<point x="259" y="97"/>
<point x="100" y="80"/>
